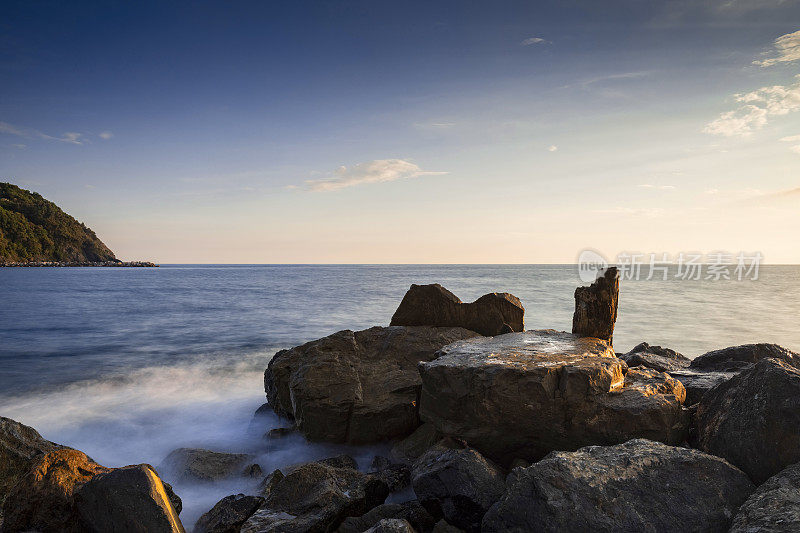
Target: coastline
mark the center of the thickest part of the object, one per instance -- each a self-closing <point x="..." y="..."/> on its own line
<point x="31" y="264"/>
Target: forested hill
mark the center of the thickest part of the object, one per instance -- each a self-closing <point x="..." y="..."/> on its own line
<point x="35" y="229"/>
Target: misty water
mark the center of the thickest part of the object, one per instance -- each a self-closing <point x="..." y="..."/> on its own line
<point x="129" y="364"/>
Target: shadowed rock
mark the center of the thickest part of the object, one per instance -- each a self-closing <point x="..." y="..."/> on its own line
<point x="433" y="305"/>
<point x="355" y="387"/>
<point x="655" y="357"/>
<point x="391" y="525"/>
<point x="596" y="307"/>
<point x="228" y="515"/>
<point x="697" y="383"/>
<point x="412" y="447"/>
<point x="636" y="486"/>
<point x="196" y="464"/>
<point x="773" y="507"/>
<point x="753" y="419"/>
<point x="411" y="511"/>
<point x="736" y="358"/>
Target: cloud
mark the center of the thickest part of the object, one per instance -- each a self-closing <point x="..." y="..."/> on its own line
<point x="20" y="146"/>
<point x="792" y="139"/>
<point x="534" y="40"/>
<point x="756" y="109"/>
<point x="105" y="135"/>
<point x="658" y="187"/>
<point x="552" y="148"/>
<point x="70" y="137"/>
<point x="787" y="48"/>
<point x="378" y="171"/>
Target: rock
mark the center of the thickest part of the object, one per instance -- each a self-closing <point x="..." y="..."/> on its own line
<point x="753" y="419"/>
<point x="21" y="447"/>
<point x="340" y="461"/>
<point x="397" y="476"/>
<point x="457" y="484"/>
<point x="355" y="387"/>
<point x="433" y="305"/>
<point x="596" y="307"/>
<point x="636" y="486"/>
<point x="254" y="470"/>
<point x="391" y="525"/>
<point x="655" y="357"/>
<point x="697" y="383"/>
<point x="196" y="464"/>
<point x="174" y="499"/>
<point x="42" y="500"/>
<point x="736" y="358"/>
<point x="129" y="499"/>
<point x="316" y="497"/>
<point x="279" y="433"/>
<point x="522" y="395"/>
<point x="773" y="507"/>
<point x="443" y="527"/>
<point x="228" y="515"/>
<point x="269" y="482"/>
<point x="411" y="511"/>
<point x="412" y="447"/>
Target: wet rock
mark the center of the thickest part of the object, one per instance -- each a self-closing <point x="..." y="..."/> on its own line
<point x="131" y="499"/>
<point x="316" y="497"/>
<point x="228" y="515"/>
<point x="391" y="525"/>
<point x="443" y="527"/>
<point x="279" y="433"/>
<point x="412" y="447"/>
<point x="355" y="387"/>
<point x="523" y="395"/>
<point x="773" y="507"/>
<point x="737" y="358"/>
<point x="21" y="447"/>
<point x="340" y="461"/>
<point x="697" y="383"/>
<point x="596" y="307"/>
<point x="397" y="476"/>
<point x="433" y="305"/>
<point x="655" y="357"/>
<point x="753" y="419"/>
<point x="411" y="511"/>
<point x="457" y="484"/>
<point x="636" y="486"/>
<point x="269" y="482"/>
<point x="254" y="470"/>
<point x="196" y="464"/>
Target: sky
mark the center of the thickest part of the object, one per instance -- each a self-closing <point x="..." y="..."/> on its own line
<point x="409" y="132"/>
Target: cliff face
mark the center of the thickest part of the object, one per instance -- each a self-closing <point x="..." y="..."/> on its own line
<point x="35" y="229"/>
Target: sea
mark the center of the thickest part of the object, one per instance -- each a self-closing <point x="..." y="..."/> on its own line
<point x="128" y="364"/>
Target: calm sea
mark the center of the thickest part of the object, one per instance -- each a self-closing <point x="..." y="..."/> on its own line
<point x="127" y="364"/>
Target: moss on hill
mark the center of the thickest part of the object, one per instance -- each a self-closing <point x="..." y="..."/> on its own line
<point x="35" y="229"/>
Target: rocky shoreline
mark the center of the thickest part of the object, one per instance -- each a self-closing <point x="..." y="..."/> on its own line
<point x="30" y="264"/>
<point x="492" y="428"/>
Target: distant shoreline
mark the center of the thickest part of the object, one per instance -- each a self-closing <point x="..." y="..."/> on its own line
<point x="30" y="264"/>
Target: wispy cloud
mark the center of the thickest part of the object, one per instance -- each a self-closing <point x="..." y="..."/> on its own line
<point x="657" y="187"/>
<point x="534" y="40"/>
<point x="105" y="135"/>
<point x="756" y="109"/>
<point x="552" y="148"/>
<point x="70" y="137"/>
<point x="793" y="139"/>
<point x="787" y="48"/>
<point x="378" y="171"/>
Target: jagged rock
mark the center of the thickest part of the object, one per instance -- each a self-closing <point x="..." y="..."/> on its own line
<point x="254" y="471"/>
<point x="269" y="482"/>
<point x="753" y="419"/>
<point x="228" y="515"/>
<point x="457" y="484"/>
<point x="340" y="461"/>
<point x="412" y="447"/>
<point x="131" y="499"/>
<point x="196" y="464"/>
<point x="636" y="486"/>
<point x="279" y="433"/>
<point x="774" y="507"/>
<point x="316" y="497"/>
<point x="522" y="395"/>
<point x="391" y="525"/>
<point x="42" y="499"/>
<point x="697" y="383"/>
<point x="355" y="387"/>
<point x="433" y="305"/>
<point x="411" y="511"/>
<point x="655" y="357"/>
<point x="397" y="476"/>
<point x="21" y="447"/>
<point x="737" y="358"/>
<point x="596" y="307"/>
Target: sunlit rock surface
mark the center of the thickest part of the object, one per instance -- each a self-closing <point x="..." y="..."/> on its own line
<point x="596" y="307"/>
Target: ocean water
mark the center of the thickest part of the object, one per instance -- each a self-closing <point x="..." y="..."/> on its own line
<point x="128" y="364"/>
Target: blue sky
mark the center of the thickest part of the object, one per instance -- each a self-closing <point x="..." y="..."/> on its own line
<point x="488" y="132"/>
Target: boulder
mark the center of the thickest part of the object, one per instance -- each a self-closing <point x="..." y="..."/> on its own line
<point x="391" y="525"/>
<point x="316" y="497"/>
<point x="636" y="486"/>
<point x="228" y="515"/>
<point x="596" y="307"/>
<point x="412" y="447"/>
<point x="458" y="485"/>
<point x="411" y="511"/>
<point x="698" y="382"/>
<point x="196" y="464"/>
<point x="433" y="305"/>
<point x="397" y="476"/>
<point x="737" y="358"/>
<point x="355" y="387"/>
<point x="773" y="507"/>
<point x="129" y="499"/>
<point x="443" y="527"/>
<point x="655" y="357"/>
<point x="522" y="395"/>
<point x="21" y="447"/>
<point x="753" y="419"/>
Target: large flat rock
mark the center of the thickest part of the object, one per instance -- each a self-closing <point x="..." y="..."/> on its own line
<point x="522" y="395"/>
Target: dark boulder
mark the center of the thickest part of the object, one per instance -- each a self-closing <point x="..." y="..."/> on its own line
<point x="774" y="507"/>
<point x="433" y="305"/>
<point x="355" y="387"/>
<point x="698" y="382"/>
<point x="411" y="511"/>
<point x="21" y="447"/>
<point x="636" y="486"/>
<point x="391" y="525"/>
<point x="397" y="476"/>
<point x="753" y="419"/>
<point x="596" y="307"/>
<point x="196" y="464"/>
<point x="736" y="358"/>
<point x="228" y="515"/>
<point x="655" y="357"/>
<point x="458" y="485"/>
<point x="412" y="447"/>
